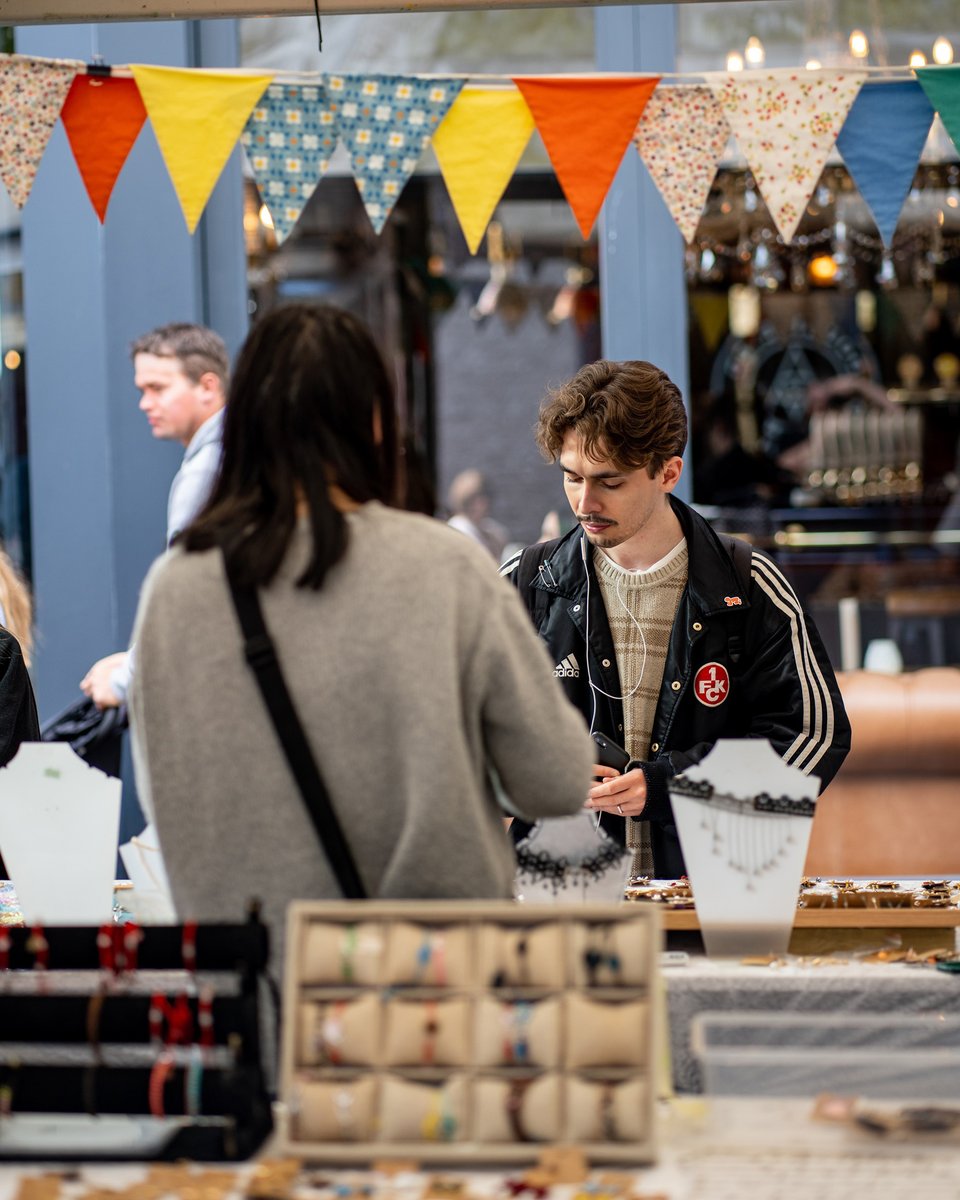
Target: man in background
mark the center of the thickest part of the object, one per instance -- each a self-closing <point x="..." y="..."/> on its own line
<point x="181" y="373"/>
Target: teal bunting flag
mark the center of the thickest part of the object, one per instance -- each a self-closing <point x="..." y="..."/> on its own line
<point x="385" y="121"/>
<point x="289" y="139"/>
<point x="942" y="85"/>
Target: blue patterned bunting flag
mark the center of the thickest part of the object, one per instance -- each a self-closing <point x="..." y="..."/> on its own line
<point x="881" y="142"/>
<point x="289" y="139"/>
<point x="385" y="121"/>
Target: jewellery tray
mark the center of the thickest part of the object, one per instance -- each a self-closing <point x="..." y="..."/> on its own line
<point x="468" y="1031"/>
<point x="78" y="1054"/>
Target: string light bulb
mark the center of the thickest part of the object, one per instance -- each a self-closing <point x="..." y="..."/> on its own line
<point x="813" y="64"/>
<point x="942" y="51"/>
<point x="266" y="220"/>
<point x="918" y="58"/>
<point x="734" y="61"/>
<point x="859" y="46"/>
<point x="754" y="52"/>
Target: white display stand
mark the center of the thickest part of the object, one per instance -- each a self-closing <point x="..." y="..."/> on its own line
<point x="744" y="839"/>
<point x="568" y="859"/>
<point x="59" y="827"/>
<point x="150" y="900"/>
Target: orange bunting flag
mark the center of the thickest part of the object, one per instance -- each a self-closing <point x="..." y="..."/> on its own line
<point x="198" y="117"/>
<point x="586" y="126"/>
<point x="102" y="117"/>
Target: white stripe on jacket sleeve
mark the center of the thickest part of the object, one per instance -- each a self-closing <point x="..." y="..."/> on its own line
<point x="816" y="734"/>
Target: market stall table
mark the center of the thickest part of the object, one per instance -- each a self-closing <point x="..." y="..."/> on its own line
<point x="829" y="985"/>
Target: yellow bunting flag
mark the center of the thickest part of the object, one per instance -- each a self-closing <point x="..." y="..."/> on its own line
<point x="478" y="146"/>
<point x="197" y="117"/>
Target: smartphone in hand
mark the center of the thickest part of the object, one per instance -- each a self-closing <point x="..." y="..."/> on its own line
<point x="609" y="754"/>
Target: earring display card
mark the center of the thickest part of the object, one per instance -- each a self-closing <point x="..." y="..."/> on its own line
<point x="468" y="1031"/>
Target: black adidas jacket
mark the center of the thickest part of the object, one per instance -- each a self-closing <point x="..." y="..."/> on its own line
<point x="744" y="660"/>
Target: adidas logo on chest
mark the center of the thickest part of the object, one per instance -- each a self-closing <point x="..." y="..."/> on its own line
<point x="569" y="668"/>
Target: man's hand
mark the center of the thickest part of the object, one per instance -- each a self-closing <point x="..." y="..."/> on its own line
<point x="623" y="795"/>
<point x="96" y="683"/>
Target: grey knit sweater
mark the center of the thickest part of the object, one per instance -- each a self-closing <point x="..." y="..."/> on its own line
<point x="412" y="668"/>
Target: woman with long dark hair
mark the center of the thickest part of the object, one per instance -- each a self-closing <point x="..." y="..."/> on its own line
<point x="414" y="670"/>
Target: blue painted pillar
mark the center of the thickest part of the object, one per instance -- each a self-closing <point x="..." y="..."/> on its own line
<point x="98" y="479"/>
<point x="642" y="286"/>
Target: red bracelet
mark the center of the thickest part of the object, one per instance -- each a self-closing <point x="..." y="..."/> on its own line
<point x="161" y="1072"/>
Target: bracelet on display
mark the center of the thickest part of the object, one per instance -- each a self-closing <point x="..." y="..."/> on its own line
<point x="439" y="1125"/>
<point x="603" y="956"/>
<point x="431" y="1027"/>
<point x="7" y="1079"/>
<point x="205" y="1016"/>
<point x="117" y="947"/>
<point x="179" y="1021"/>
<point x="94" y="1014"/>
<point x="608" y="1123"/>
<point x="159" y="1075"/>
<point x="330" y="1037"/>
<point x="39" y="947"/>
<point x="516" y="1046"/>
<point x="515" y="1098"/>
<point x="431" y="958"/>
<point x="348" y="950"/>
<point x="343" y="1111"/>
<point x="193" y="1083"/>
<point x="523" y="960"/>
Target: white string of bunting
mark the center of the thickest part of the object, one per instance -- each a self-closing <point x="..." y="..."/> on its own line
<point x="785" y="122"/>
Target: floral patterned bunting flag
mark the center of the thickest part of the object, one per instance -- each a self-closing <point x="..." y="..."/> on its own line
<point x="385" y="121"/>
<point x="289" y="139"/>
<point x="103" y="118"/>
<point x="786" y="122"/>
<point x="32" y="91"/>
<point x="681" y="137"/>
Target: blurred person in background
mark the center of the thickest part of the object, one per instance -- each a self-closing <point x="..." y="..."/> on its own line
<point x="468" y="500"/>
<point x="18" y="707"/>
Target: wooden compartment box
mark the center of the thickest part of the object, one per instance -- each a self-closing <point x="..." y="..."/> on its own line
<point x="468" y="1031"/>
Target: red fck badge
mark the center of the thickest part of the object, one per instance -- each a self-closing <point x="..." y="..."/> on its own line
<point x="711" y="684"/>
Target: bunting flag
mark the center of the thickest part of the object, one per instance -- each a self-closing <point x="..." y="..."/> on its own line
<point x="586" y="125"/>
<point x="881" y="142"/>
<point x="32" y="91"/>
<point x="681" y="137"/>
<point x="103" y="117"/>
<point x="198" y="117"/>
<point x="786" y="122"/>
<point x="942" y="85"/>
<point x="289" y="139"/>
<point x="478" y="146"/>
<point x="385" y="121"/>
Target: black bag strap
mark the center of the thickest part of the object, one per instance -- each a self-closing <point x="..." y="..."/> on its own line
<point x="262" y="658"/>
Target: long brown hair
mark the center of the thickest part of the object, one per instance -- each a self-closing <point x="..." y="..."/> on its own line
<point x="308" y="398"/>
<point x="16" y="604"/>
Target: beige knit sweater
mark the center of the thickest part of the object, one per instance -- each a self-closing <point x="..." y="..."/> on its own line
<point x="412" y="668"/>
